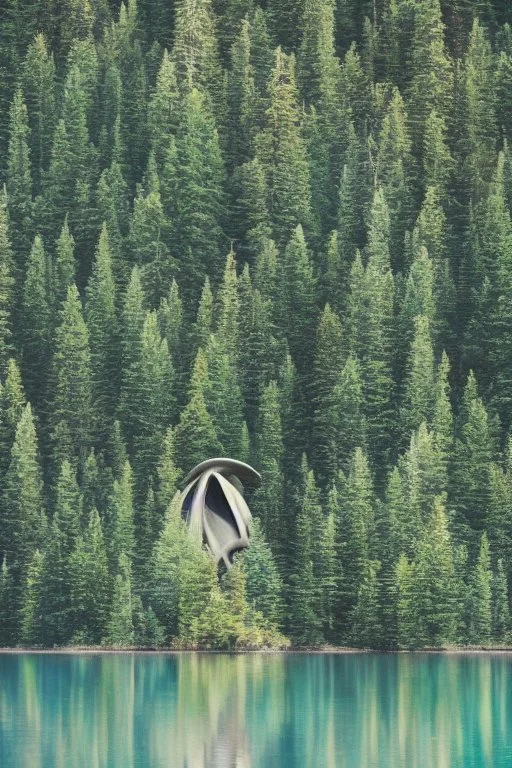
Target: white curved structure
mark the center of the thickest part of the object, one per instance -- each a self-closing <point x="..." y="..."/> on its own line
<point x="213" y="506"/>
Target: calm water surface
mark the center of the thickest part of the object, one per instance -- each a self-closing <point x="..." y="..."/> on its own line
<point x="277" y="711"/>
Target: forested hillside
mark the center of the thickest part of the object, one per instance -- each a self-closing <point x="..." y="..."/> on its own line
<point x="279" y="232"/>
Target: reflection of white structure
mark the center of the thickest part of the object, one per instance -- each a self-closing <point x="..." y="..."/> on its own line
<point x="213" y="506"/>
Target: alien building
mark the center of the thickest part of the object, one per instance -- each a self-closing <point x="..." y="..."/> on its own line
<point x="213" y="506"/>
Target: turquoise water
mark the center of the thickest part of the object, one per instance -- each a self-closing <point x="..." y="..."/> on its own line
<point x="271" y="711"/>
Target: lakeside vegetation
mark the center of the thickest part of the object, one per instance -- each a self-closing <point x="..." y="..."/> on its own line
<point x="275" y="231"/>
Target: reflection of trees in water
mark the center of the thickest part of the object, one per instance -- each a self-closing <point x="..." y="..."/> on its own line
<point x="219" y="697"/>
<point x="189" y="711"/>
<point x="217" y="711"/>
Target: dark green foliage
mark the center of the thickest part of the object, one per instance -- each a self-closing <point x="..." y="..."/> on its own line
<point x="7" y="607"/>
<point x="352" y="160"/>
<point x="7" y="282"/>
<point x="19" y="179"/>
<point x="286" y="19"/>
<point x="298" y="294"/>
<point x="199" y="197"/>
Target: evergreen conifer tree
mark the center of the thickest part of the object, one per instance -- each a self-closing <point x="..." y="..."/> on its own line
<point x="305" y="617"/>
<point x="36" y="311"/>
<point x="100" y="313"/>
<point x="281" y="151"/>
<point x="64" y="267"/>
<point x="90" y="584"/>
<point x="199" y="195"/>
<point x="196" y="436"/>
<point x="120" y="632"/>
<point x="38" y="79"/>
<point x="19" y="179"/>
<point x="30" y="629"/>
<point x="7" y="283"/>
<point x="24" y="520"/>
<point x="356" y="529"/>
<point x="481" y="606"/>
<point x="500" y="606"/>
<point x="72" y="426"/>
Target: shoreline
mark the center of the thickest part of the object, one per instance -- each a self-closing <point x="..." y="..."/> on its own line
<point x="327" y="651"/>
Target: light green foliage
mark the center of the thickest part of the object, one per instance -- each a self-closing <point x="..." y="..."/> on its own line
<point x="72" y="381"/>
<point x="64" y="266"/>
<point x="281" y="151"/>
<point x="427" y="608"/>
<point x="167" y="473"/>
<point x="394" y="161"/>
<point x="500" y="606"/>
<point x="36" y="309"/>
<point x="431" y="69"/>
<point x="100" y="313"/>
<point x="163" y="588"/>
<point x="152" y="390"/>
<point x="479" y="65"/>
<point x="120" y="518"/>
<point x="306" y="617"/>
<point x="30" y="630"/>
<point x="328" y="366"/>
<point x="348" y="421"/>
<point x="364" y="618"/>
<point x="23" y="521"/>
<point x="473" y="456"/>
<point x="68" y="506"/>
<point x="481" y="604"/>
<point x="39" y="89"/>
<point x="8" y="609"/>
<point x="90" y="584"/>
<point x="356" y="529"/>
<point x="120" y="632"/>
<point x="195" y="48"/>
<point x="268" y="499"/>
<point x="163" y="110"/>
<point x="419" y="387"/>
<point x="12" y="402"/>
<point x="196" y="435"/>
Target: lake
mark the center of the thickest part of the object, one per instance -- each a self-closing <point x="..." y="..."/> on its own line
<point x="254" y="711"/>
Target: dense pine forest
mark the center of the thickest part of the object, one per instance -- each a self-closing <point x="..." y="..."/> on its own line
<point x="280" y="232"/>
